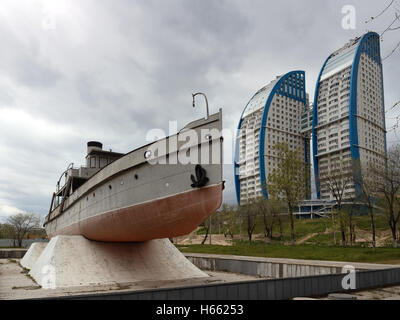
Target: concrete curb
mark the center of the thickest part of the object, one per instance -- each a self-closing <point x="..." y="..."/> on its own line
<point x="276" y="267"/>
<point x="12" y="253"/>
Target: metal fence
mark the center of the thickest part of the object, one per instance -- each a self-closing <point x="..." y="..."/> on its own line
<point x="275" y="289"/>
<point x="25" y="242"/>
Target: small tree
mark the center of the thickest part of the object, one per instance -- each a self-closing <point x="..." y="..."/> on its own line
<point x="261" y="206"/>
<point x="207" y="226"/>
<point x="288" y="182"/>
<point x="228" y="217"/>
<point x="6" y="231"/>
<point x="337" y="179"/>
<point x="366" y="181"/>
<point x="249" y="214"/>
<point x="269" y="210"/>
<point x="22" y="224"/>
<point x="387" y="186"/>
<point x="349" y="211"/>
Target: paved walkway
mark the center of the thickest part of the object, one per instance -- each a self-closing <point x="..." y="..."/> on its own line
<point x="15" y="283"/>
<point x="389" y="293"/>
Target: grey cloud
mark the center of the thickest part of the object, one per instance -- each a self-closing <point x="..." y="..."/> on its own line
<point x="35" y="74"/>
<point x="6" y="98"/>
<point x="24" y="61"/>
<point x="110" y="71"/>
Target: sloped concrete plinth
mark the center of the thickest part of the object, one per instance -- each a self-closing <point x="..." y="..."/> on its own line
<point x="33" y="253"/>
<point x="75" y="261"/>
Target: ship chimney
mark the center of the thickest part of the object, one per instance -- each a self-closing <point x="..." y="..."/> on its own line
<point x="94" y="145"/>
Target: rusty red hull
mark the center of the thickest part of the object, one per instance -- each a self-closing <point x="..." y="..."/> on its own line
<point x="169" y="217"/>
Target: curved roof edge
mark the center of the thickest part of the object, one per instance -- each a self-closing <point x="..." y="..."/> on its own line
<point x="313" y="134"/>
<point x="369" y="44"/>
<point x="374" y="53"/>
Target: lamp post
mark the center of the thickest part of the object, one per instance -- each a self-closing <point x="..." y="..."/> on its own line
<point x="205" y="97"/>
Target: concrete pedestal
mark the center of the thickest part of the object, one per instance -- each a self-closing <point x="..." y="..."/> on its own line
<point x="30" y="257"/>
<point x="75" y="261"/>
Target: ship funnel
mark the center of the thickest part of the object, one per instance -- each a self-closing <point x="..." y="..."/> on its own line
<point x="94" y="145"/>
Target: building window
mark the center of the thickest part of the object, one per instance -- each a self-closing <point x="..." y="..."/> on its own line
<point x="93" y="162"/>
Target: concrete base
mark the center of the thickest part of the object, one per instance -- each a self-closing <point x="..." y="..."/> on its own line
<point x="75" y="261"/>
<point x="33" y="253"/>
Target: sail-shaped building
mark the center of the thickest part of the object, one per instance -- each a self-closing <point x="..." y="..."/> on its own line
<point x="348" y="117"/>
<point x="272" y="115"/>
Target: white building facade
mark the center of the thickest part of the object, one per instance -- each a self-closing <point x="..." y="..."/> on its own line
<point x="348" y="116"/>
<point x="273" y="115"/>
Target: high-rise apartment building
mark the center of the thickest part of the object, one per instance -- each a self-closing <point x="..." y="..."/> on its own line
<point x="272" y="115"/>
<point x="348" y="116"/>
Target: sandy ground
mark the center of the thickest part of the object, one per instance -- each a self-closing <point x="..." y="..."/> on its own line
<point x="216" y="239"/>
<point x="388" y="293"/>
<point x="193" y="238"/>
<point x="382" y="238"/>
<point x="16" y="284"/>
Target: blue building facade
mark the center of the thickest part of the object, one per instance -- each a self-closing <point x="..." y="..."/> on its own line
<point x="272" y="116"/>
<point x="348" y="115"/>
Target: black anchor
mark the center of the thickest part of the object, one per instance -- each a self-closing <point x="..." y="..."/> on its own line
<point x="201" y="178"/>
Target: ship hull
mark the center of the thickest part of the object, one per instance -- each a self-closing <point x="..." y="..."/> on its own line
<point x="136" y="198"/>
<point x="161" y="218"/>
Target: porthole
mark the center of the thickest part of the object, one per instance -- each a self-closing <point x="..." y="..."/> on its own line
<point x="110" y="187"/>
<point x="147" y="154"/>
<point x="94" y="194"/>
<point x="136" y="176"/>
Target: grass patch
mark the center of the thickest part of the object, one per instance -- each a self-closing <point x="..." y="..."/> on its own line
<point x="326" y="239"/>
<point x="26" y="288"/>
<point x="364" y="222"/>
<point x="308" y="252"/>
<point x="24" y="270"/>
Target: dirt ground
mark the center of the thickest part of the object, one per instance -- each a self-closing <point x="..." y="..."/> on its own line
<point x="216" y="239"/>
<point x="387" y="293"/>
<point x="193" y="238"/>
<point x="362" y="236"/>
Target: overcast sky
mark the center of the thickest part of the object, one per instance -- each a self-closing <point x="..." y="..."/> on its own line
<point x="73" y="71"/>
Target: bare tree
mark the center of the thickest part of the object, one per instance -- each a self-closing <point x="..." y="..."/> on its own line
<point x="263" y="210"/>
<point x="249" y="214"/>
<point x="22" y="224"/>
<point x="366" y="182"/>
<point x="6" y="231"/>
<point x="387" y="186"/>
<point x="349" y="211"/>
<point x="337" y="179"/>
<point x="393" y="24"/>
<point x="269" y="210"/>
<point x="229" y="217"/>
<point x="288" y="182"/>
<point x="206" y="225"/>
